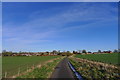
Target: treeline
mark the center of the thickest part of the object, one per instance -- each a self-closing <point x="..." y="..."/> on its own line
<point x="55" y="52"/>
<point x="99" y="51"/>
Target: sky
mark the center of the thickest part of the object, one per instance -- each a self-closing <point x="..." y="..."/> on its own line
<point x="60" y="0"/>
<point x="0" y="27"/>
<point x="44" y="26"/>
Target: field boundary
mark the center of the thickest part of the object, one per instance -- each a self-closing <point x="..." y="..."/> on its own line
<point x="75" y="72"/>
<point x="105" y="65"/>
<point x="89" y="68"/>
<point x="33" y="67"/>
<point x="97" y="63"/>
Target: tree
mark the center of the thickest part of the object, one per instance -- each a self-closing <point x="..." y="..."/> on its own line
<point x="79" y="51"/>
<point x="99" y="51"/>
<point x="7" y="53"/>
<point x="84" y="51"/>
<point x="4" y="51"/>
<point x="115" y="51"/>
<point x="20" y="51"/>
<point x="47" y="52"/>
<point x="58" y="52"/>
<point x="42" y="54"/>
<point x="118" y="50"/>
<point x="74" y="52"/>
<point x="54" y="52"/>
<point x="68" y="53"/>
<point x="89" y="52"/>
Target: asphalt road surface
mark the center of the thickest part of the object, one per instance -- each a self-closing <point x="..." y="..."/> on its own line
<point x="62" y="71"/>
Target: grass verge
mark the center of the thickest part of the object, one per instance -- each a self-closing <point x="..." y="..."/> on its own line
<point x="43" y="72"/>
<point x="94" y="70"/>
<point x="17" y="65"/>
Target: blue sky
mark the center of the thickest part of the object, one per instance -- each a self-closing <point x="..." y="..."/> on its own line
<point x="60" y="0"/>
<point x="60" y="26"/>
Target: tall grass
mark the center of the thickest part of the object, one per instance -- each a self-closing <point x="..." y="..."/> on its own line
<point x="95" y="71"/>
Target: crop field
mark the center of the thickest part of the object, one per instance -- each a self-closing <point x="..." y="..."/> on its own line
<point x="44" y="72"/>
<point x="106" y="58"/>
<point x="13" y="65"/>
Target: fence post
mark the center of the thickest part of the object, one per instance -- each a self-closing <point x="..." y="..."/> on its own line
<point x="27" y="68"/>
<point x="5" y="74"/>
<point x="19" y="71"/>
<point x="33" y="66"/>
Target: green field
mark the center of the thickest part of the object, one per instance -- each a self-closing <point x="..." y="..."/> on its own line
<point x="106" y="58"/>
<point x="11" y="65"/>
<point x="44" y="72"/>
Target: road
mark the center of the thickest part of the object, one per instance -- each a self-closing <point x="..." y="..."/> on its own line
<point x="62" y="71"/>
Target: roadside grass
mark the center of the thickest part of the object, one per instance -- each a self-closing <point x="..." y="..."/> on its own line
<point x="95" y="71"/>
<point x="14" y="65"/>
<point x="43" y="72"/>
<point x="111" y="58"/>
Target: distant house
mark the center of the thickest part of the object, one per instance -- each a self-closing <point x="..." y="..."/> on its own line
<point x="88" y="52"/>
<point x="107" y="51"/>
<point x="29" y="54"/>
<point x="14" y="54"/>
<point x="95" y="52"/>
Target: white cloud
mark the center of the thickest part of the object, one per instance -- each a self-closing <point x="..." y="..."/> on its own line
<point x="41" y="29"/>
<point x="45" y="27"/>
